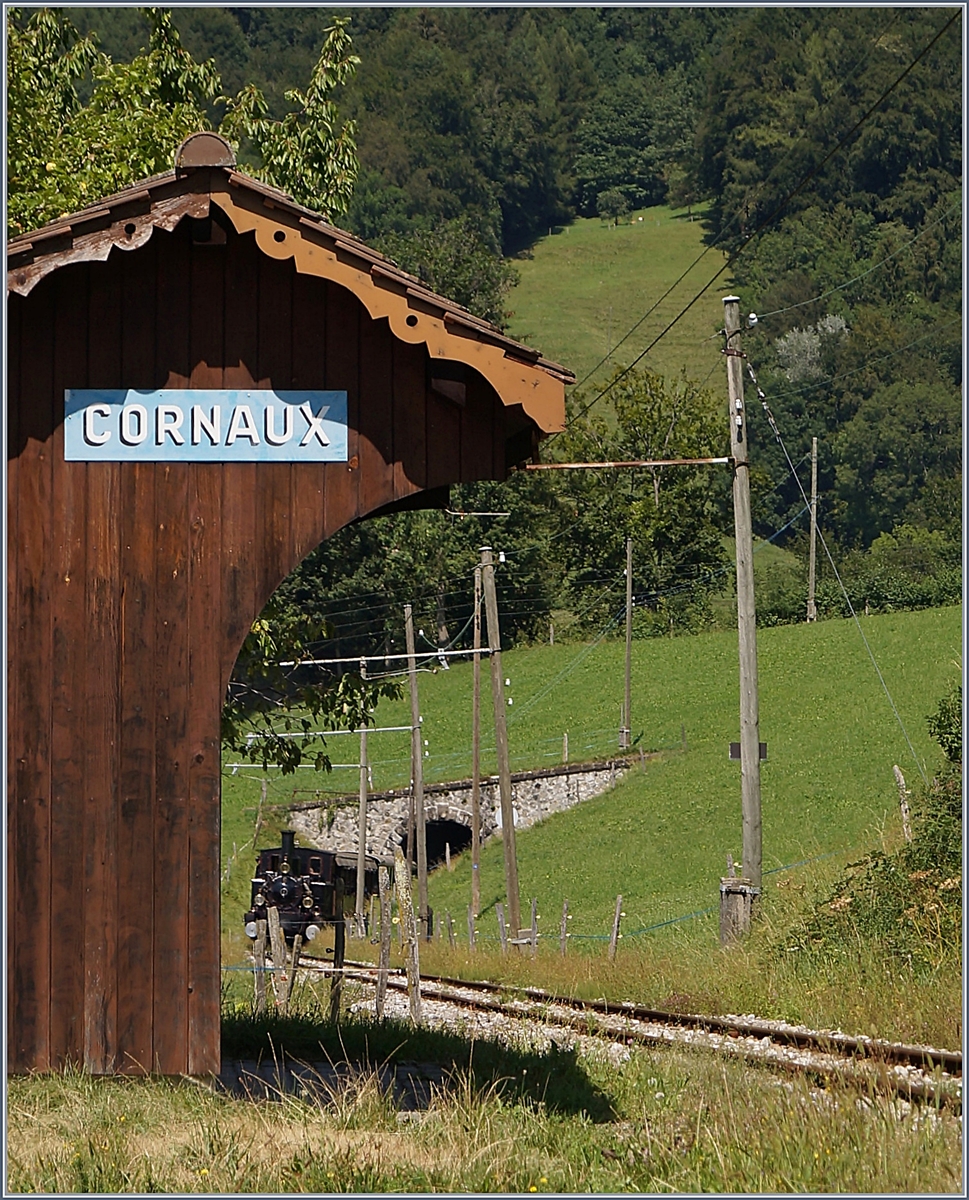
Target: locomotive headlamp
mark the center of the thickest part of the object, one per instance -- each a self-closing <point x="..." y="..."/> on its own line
<point x="251" y="930"/>
<point x="260" y="900"/>
<point x="284" y="867"/>
<point x="307" y="901"/>
<point x="311" y="932"/>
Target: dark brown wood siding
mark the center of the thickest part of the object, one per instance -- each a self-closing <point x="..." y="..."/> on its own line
<point x="131" y="589"/>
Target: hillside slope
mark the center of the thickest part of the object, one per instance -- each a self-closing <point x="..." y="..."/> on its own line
<point x="585" y="285"/>
<point x="661" y="837"/>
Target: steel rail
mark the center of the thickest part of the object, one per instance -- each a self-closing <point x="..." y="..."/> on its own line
<point x="875" y="1050"/>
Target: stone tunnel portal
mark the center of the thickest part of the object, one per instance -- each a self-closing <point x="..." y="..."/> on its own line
<point x="440" y="834"/>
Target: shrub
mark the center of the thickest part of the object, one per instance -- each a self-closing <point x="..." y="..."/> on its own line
<point x="907" y="905"/>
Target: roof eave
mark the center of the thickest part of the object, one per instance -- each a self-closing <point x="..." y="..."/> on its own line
<point x="126" y="220"/>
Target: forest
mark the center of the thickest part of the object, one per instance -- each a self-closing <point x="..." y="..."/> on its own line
<point x="825" y="145"/>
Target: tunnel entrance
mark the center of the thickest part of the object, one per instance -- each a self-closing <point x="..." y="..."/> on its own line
<point x="440" y="834"/>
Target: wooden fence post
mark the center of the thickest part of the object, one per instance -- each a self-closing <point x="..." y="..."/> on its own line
<point x="339" y="952"/>
<point x="534" y="931"/>
<point x="502" y="931"/>
<point x="277" y="944"/>
<point x="288" y="987"/>
<point x="736" y="902"/>
<point x="405" y="910"/>
<point x="613" y="941"/>
<point x="903" y="802"/>
<point x="450" y="928"/>
<point x="470" y="926"/>
<point x="563" y="935"/>
<point x="259" y="980"/>
<point x="383" y="961"/>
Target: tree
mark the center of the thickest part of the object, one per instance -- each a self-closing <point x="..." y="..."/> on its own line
<point x="64" y="154"/>
<point x="275" y="704"/>
<point x="902" y="440"/>
<point x="357" y="582"/>
<point x="616" y="152"/>
<point x="674" y="515"/>
<point x="612" y="204"/>
<point x="307" y="153"/>
<point x="455" y="259"/>
<point x="945" y="725"/>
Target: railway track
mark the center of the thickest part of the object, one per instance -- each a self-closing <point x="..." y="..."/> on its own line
<point x="914" y="1072"/>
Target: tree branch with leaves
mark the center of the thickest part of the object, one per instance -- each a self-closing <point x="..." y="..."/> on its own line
<point x="63" y="155"/>
<point x="276" y="704"/>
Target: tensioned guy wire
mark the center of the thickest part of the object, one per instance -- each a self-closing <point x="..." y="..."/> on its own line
<point x="771" y="420"/>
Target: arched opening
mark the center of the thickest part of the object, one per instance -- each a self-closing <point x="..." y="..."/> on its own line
<point x="135" y="583"/>
<point x="440" y="835"/>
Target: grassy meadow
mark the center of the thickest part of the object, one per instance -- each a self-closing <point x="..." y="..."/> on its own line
<point x="583" y="285"/>
<point x="661" y="837"/>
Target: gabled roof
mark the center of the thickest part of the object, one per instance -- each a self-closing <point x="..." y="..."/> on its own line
<point x="205" y="174"/>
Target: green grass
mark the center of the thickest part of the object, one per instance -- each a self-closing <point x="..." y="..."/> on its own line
<point x="661" y="837"/>
<point x="585" y="285"/>
<point x="658" y="1121"/>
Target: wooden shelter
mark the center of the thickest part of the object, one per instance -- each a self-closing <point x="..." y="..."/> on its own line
<point x="132" y="583"/>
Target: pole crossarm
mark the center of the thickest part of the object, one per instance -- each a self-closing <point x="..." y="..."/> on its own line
<point x="640" y="462"/>
<point x="255" y="737"/>
<point x="358" y="658"/>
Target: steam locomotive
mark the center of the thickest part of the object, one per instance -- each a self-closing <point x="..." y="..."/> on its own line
<point x="307" y="887"/>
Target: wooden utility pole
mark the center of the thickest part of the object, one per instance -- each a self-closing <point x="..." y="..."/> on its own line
<point x="501" y="742"/>
<point x="358" y="917"/>
<point x="476" y="756"/>
<point x="746" y="612"/>
<point x="626" y="732"/>
<point x="417" y="774"/>
<point x="812" y="612"/>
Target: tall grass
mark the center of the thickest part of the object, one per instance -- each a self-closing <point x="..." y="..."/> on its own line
<point x="671" y="1121"/>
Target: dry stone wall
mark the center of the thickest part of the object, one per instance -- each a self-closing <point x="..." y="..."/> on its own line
<point x="332" y="823"/>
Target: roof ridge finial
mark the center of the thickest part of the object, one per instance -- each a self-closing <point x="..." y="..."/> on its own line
<point x="204" y="149"/>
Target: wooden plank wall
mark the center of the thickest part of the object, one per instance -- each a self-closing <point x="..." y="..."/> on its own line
<point x="131" y="589"/>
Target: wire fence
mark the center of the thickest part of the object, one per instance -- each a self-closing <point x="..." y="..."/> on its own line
<point x="622" y="934"/>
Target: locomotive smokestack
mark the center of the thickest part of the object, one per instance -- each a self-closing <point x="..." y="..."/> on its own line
<point x="289" y="843"/>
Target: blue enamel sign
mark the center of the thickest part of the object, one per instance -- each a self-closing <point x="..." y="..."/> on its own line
<point x="181" y="425"/>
